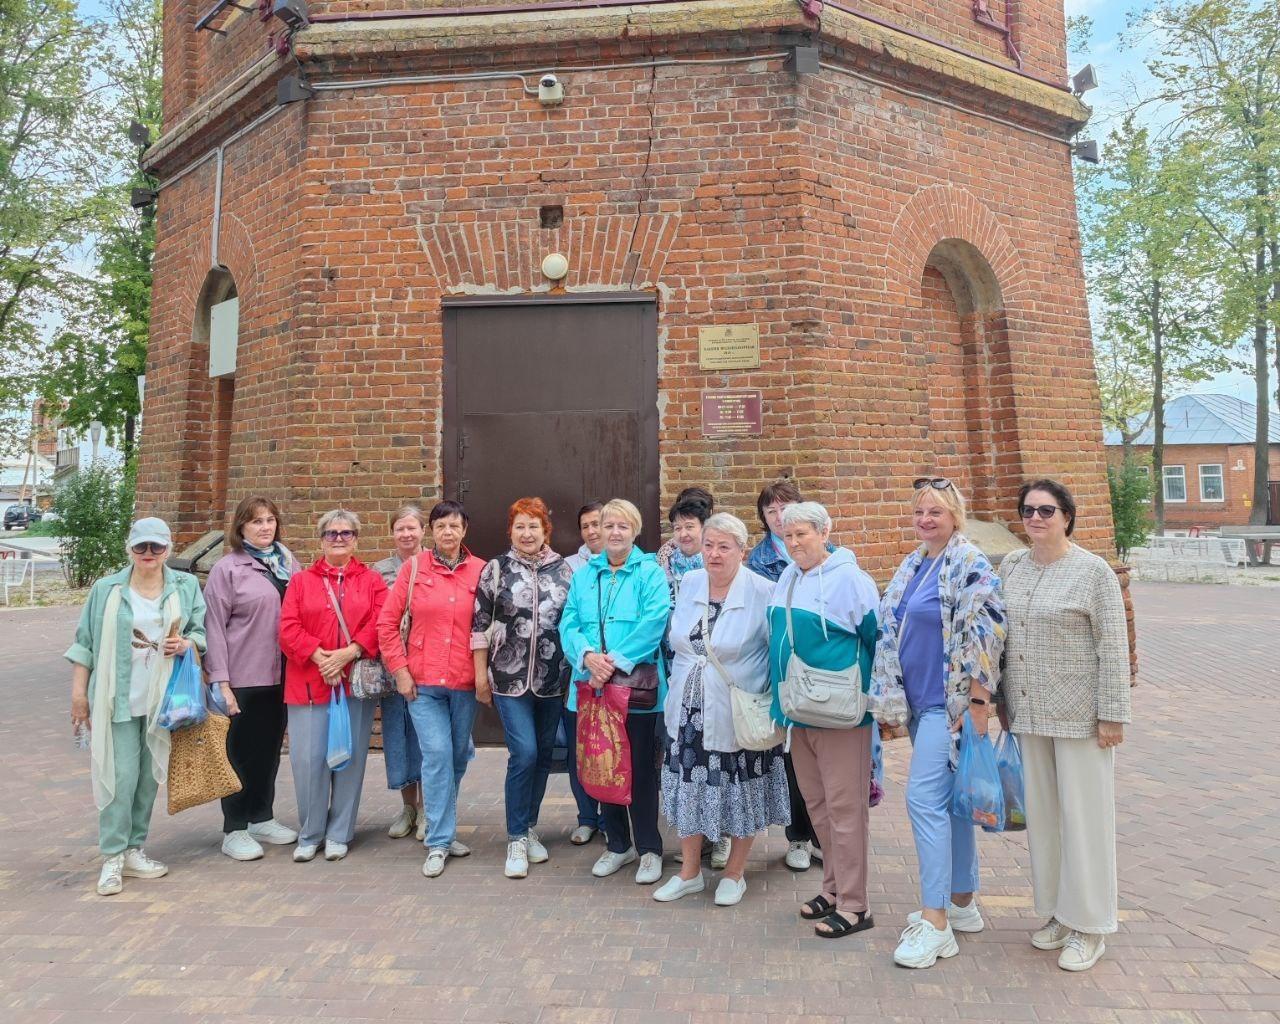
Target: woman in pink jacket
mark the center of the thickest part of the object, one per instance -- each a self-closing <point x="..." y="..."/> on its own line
<point x="319" y="648"/>
<point x="242" y="622"/>
<point x="435" y="672"/>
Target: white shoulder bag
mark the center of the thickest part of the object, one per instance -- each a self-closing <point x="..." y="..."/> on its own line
<point x="820" y="697"/>
<point x="753" y="724"/>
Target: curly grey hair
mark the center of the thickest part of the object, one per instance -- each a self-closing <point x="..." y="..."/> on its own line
<point x="807" y="512"/>
<point x="730" y="525"/>
<point x="337" y="515"/>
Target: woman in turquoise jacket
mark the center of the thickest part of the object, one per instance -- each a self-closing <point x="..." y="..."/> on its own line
<point x="134" y="624"/>
<point x="627" y="590"/>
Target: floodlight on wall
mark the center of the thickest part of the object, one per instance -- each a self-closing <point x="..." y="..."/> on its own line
<point x="139" y="134"/>
<point x="803" y="60"/>
<point x="1084" y="80"/>
<point x="292" y="89"/>
<point x="555" y="267"/>
<point x="141" y="198"/>
<point x="1087" y="151"/>
<point x="293" y="13"/>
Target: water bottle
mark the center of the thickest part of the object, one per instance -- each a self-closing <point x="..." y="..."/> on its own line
<point x="82" y="736"/>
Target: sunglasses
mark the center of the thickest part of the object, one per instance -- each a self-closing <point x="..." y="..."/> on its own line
<point x="938" y="483"/>
<point x="150" y="548"/>
<point x="332" y="535"/>
<point x="1043" y="511"/>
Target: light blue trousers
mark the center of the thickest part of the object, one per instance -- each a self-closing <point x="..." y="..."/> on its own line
<point x="442" y="720"/>
<point x="946" y="849"/>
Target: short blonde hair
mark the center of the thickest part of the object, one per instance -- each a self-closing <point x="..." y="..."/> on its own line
<point x="338" y="515"/>
<point x="949" y="496"/>
<point x="404" y="511"/>
<point x="621" y="508"/>
<point x="729" y="525"/>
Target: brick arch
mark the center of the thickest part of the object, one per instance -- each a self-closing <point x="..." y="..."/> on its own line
<point x="959" y="285"/>
<point x="940" y="214"/>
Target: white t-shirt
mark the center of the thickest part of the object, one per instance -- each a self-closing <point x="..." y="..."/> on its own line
<point x="147" y="645"/>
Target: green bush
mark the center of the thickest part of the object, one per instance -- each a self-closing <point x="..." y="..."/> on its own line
<point x="1130" y="505"/>
<point x="96" y="506"/>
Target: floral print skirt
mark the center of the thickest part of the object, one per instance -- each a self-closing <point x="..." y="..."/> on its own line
<point x="714" y="794"/>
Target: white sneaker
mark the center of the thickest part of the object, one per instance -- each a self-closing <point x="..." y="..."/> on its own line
<point x="402" y="824"/>
<point x="138" y="865"/>
<point x="582" y="835"/>
<point x="457" y="849"/>
<point x="1053" y="935"/>
<point x="304" y="852"/>
<point x="537" y="852"/>
<point x="273" y="833"/>
<point x="961" y="919"/>
<point x="111" y="879"/>
<point x="720" y="853"/>
<point x="798" y="857"/>
<point x="1081" y="951"/>
<point x="730" y="891"/>
<point x="650" y="869"/>
<point x="675" y="887"/>
<point x="517" y="859"/>
<point x="922" y="944"/>
<point x="433" y="866"/>
<point x="240" y="845"/>
<point x="421" y="831"/>
<point x="334" y="851"/>
<point x="609" y="862"/>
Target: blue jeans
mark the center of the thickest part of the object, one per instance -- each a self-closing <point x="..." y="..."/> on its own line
<point x="442" y="718"/>
<point x="588" y="806"/>
<point x="400" y="753"/>
<point x="530" y="725"/>
<point x="946" y="848"/>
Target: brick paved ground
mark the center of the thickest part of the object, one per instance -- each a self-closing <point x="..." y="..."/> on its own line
<point x="370" y="938"/>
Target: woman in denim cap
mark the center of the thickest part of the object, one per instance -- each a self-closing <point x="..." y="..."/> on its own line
<point x="400" y="753"/>
<point x="134" y="623"/>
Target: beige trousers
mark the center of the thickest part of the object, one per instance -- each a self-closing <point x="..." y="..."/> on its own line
<point x="1071" y="830"/>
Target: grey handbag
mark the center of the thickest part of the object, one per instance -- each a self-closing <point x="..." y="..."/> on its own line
<point x="826" y="698"/>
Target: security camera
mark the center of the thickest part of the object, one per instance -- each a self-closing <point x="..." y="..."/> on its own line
<point x="550" y="91"/>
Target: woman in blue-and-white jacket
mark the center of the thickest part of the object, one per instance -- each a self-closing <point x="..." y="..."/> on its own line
<point x="831" y="626"/>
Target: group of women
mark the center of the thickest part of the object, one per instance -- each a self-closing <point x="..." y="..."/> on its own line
<point x="697" y="633"/>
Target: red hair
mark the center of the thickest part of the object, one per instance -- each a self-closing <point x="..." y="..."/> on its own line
<point x="535" y="508"/>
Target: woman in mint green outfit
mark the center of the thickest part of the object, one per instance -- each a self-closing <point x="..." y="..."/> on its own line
<point x="134" y="624"/>
<point x="628" y="590"/>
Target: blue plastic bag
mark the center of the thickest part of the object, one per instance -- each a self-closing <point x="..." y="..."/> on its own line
<point x="1009" y="764"/>
<point x="977" y="796"/>
<point x="183" y="704"/>
<point x="339" y="753"/>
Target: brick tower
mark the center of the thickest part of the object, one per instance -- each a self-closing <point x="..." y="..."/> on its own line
<point x="860" y="214"/>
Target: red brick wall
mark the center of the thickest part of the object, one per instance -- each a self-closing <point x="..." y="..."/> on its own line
<point x="822" y="209"/>
<point x="1237" y="482"/>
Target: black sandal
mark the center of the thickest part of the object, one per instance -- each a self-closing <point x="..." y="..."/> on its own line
<point x="817" y="908"/>
<point x="840" y="926"/>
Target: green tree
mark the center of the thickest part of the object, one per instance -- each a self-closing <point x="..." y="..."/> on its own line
<point x="95" y="508"/>
<point x="94" y="360"/>
<point x="1219" y="69"/>
<point x="1130" y="485"/>
<point x="48" y="123"/>
<point x="1150" y="273"/>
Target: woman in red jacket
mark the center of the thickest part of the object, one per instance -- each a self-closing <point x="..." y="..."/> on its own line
<point x="319" y="646"/>
<point x="435" y="673"/>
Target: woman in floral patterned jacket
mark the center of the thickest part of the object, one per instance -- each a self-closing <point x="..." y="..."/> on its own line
<point x="520" y="664"/>
<point x="942" y="628"/>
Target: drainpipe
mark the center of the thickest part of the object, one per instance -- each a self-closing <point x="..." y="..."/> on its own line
<point x="982" y="15"/>
<point x="214" y="262"/>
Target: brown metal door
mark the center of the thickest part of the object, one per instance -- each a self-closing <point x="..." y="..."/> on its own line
<point x="1273" y="510"/>
<point x="556" y="398"/>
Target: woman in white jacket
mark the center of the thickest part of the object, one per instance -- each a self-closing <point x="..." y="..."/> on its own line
<point x="711" y="787"/>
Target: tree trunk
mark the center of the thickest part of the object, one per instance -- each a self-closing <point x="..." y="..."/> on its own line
<point x="1261" y="373"/>
<point x="1157" y="410"/>
<point x="128" y="436"/>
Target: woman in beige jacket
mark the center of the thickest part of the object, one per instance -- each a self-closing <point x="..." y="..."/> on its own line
<point x="1065" y="693"/>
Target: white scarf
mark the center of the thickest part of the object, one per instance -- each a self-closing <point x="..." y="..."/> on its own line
<point x="101" y="748"/>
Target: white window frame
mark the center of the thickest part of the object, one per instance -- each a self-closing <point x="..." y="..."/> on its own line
<point x="1222" y="483"/>
<point x="1167" y="476"/>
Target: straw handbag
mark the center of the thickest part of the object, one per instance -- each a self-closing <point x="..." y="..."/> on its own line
<point x="199" y="770"/>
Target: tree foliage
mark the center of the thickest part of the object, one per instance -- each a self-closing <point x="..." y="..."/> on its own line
<point x="95" y="509"/>
<point x="1130" y="486"/>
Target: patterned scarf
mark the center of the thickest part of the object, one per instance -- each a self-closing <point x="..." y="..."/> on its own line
<point x="275" y="558"/>
<point x="973" y="631"/>
<point x="682" y="563"/>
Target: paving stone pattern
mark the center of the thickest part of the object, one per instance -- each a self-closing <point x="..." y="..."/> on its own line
<point x="369" y="938"/>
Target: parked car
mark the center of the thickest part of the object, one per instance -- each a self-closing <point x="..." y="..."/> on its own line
<point x="21" y="515"/>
